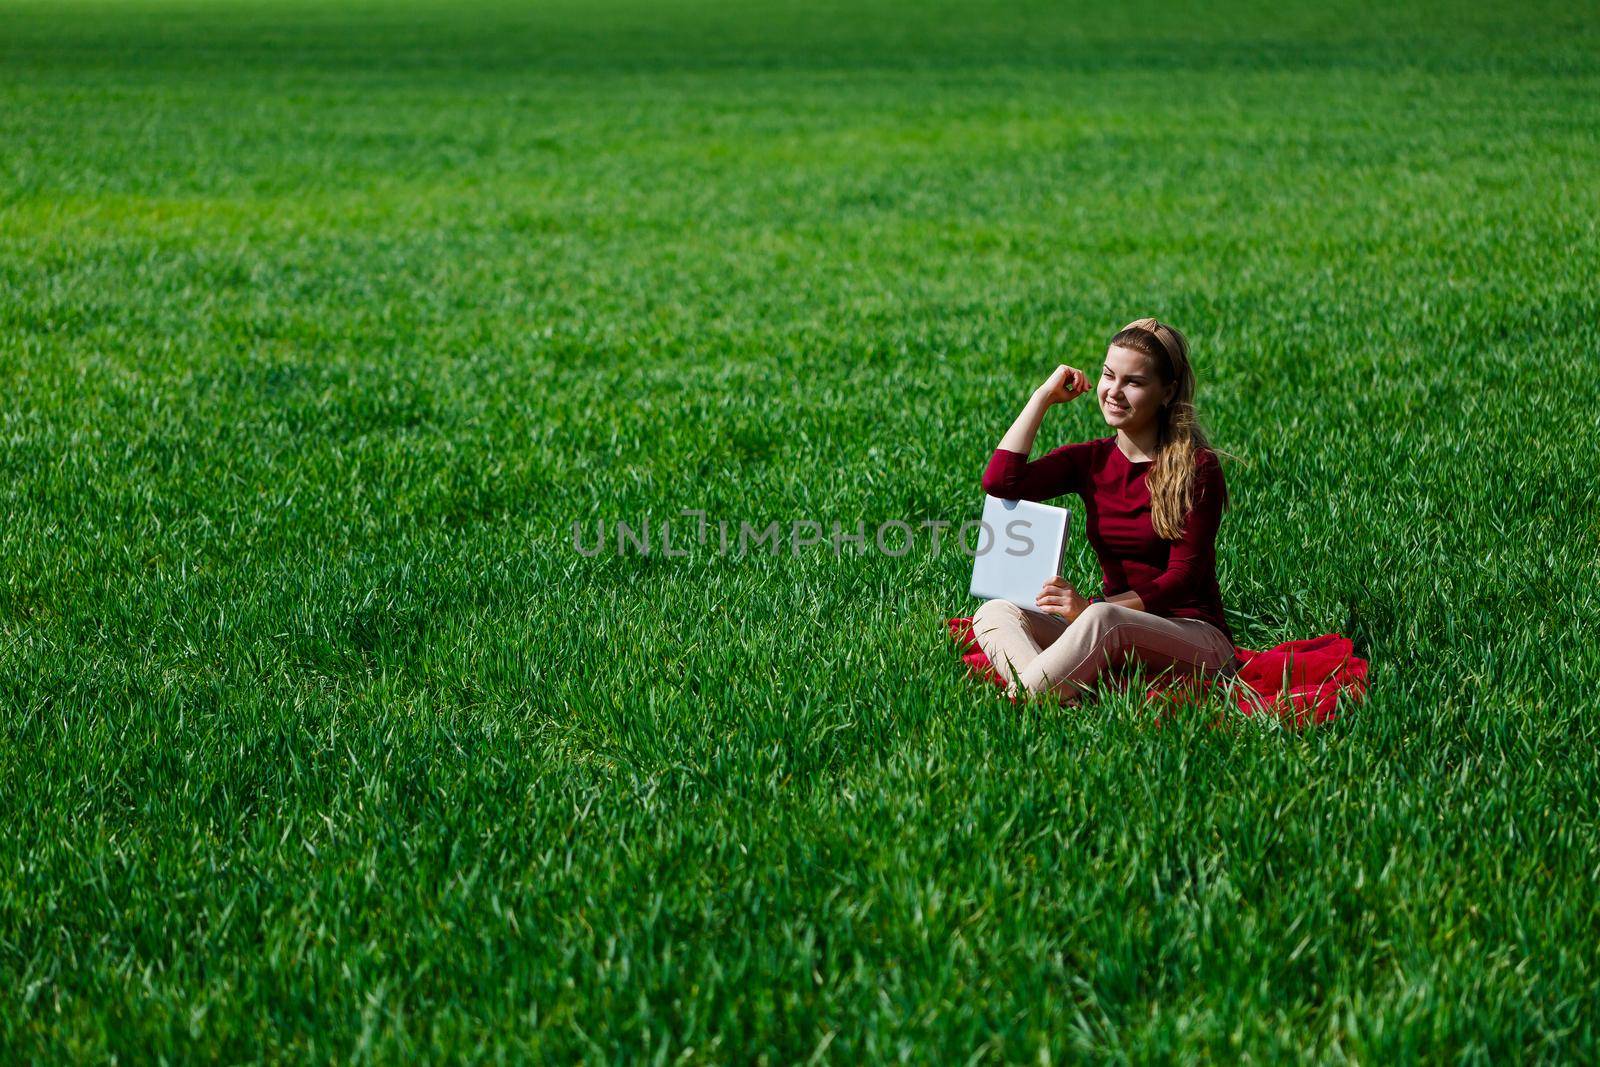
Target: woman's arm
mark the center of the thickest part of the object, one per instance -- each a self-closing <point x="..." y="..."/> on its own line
<point x="1009" y="474"/>
<point x="1130" y="599"/>
<point x="1193" y="557"/>
<point x="1064" y="384"/>
<point x="1061" y="597"/>
<point x="1020" y="437"/>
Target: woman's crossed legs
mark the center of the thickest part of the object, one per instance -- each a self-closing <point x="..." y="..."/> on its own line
<point x="1042" y="653"/>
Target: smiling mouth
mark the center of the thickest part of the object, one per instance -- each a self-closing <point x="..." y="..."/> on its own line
<point x="1118" y="408"/>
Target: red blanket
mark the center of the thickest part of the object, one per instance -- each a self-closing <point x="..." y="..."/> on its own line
<point x="1297" y="681"/>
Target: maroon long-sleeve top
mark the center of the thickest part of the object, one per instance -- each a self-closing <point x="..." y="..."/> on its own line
<point x="1177" y="579"/>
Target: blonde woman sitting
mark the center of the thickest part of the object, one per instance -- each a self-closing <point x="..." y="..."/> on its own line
<point x="1153" y="497"/>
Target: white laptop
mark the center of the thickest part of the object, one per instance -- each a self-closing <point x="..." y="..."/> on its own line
<point x="1018" y="551"/>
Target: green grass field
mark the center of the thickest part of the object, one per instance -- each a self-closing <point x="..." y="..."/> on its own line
<point x="322" y="324"/>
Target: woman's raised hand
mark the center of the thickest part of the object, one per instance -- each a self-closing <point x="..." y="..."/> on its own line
<point x="1064" y="384"/>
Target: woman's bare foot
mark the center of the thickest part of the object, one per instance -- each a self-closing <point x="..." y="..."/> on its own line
<point x="1069" y="695"/>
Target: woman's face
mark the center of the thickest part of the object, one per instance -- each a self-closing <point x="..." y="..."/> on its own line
<point x="1131" y="391"/>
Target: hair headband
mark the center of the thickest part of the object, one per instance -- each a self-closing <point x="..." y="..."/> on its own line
<point x="1165" y="337"/>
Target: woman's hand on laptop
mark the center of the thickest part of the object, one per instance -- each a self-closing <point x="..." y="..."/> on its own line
<point x="1059" y="598"/>
<point x="1064" y="384"/>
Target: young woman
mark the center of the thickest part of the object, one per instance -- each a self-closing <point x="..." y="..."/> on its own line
<point x="1153" y="497"/>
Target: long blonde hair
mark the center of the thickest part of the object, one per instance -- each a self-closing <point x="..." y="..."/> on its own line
<point x="1179" y="437"/>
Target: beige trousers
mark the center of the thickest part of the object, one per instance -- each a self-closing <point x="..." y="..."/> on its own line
<point x="1042" y="653"/>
